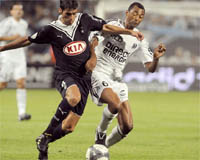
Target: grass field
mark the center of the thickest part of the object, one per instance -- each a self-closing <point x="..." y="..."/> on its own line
<point x="166" y="128"/>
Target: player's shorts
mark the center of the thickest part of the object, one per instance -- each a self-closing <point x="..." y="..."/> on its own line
<point x="84" y="86"/>
<point x="12" y="70"/>
<point x="100" y="81"/>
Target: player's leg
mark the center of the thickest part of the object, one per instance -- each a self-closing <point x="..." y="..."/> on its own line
<point x="125" y="125"/>
<point x="5" y="72"/>
<point x="109" y="97"/>
<point x="67" y="125"/>
<point x="58" y="126"/>
<point x="102" y="92"/>
<point x="21" y="99"/>
<point x="71" y="97"/>
<point x="77" y="98"/>
<point x="19" y="74"/>
<point x="66" y="116"/>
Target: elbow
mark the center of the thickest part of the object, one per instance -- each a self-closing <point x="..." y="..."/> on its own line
<point x="105" y="28"/>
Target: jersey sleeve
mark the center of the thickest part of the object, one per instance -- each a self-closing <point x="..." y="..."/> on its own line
<point x="42" y="36"/>
<point x="145" y="54"/>
<point x="98" y="34"/>
<point x="94" y="23"/>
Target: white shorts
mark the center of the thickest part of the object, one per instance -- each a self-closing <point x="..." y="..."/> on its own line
<point x="100" y="81"/>
<point x="12" y="70"/>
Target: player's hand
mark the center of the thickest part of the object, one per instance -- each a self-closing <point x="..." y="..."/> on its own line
<point x="138" y="35"/>
<point x="159" y="51"/>
<point x="90" y="64"/>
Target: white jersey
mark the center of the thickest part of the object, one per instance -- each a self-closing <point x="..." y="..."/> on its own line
<point x="12" y="62"/>
<point x="10" y="27"/>
<point x="113" y="51"/>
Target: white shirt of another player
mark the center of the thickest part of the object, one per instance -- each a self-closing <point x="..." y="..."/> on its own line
<point x="10" y="27"/>
<point x="113" y="51"/>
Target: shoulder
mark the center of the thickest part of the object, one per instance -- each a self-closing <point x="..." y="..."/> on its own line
<point x="47" y="27"/>
<point x="6" y="21"/>
<point x="51" y="25"/>
<point x="24" y="22"/>
<point x="86" y="16"/>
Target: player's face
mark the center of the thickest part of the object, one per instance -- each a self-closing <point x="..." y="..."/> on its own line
<point x="17" y="11"/>
<point x="134" y="17"/>
<point x="68" y="16"/>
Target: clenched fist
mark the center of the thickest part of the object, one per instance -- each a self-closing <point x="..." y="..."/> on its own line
<point x="159" y="51"/>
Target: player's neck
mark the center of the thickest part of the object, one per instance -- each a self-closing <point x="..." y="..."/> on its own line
<point x="17" y="19"/>
<point x="128" y="26"/>
<point x="63" y="22"/>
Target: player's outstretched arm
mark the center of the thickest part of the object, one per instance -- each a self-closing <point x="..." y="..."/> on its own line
<point x="107" y="28"/>
<point x="91" y="63"/>
<point x="18" y="43"/>
<point x="158" y="52"/>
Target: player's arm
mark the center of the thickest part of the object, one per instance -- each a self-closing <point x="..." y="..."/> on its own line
<point x="158" y="52"/>
<point x="18" y="43"/>
<point x="98" y="24"/>
<point x="111" y="29"/>
<point x="9" y="38"/>
<point x="91" y="63"/>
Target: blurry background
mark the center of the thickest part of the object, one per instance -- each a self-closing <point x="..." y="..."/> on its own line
<point x="166" y="125"/>
<point x="174" y="23"/>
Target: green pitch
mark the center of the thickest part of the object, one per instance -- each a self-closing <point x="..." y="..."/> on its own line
<point x="166" y="127"/>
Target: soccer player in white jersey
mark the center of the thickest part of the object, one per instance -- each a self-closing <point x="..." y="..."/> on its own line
<point x="13" y="62"/>
<point x="112" y="52"/>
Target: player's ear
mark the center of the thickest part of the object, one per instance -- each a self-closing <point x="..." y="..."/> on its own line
<point x="11" y="12"/>
<point x="59" y="10"/>
<point x="127" y="12"/>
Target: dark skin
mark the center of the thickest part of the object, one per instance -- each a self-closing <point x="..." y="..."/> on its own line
<point x="125" y="119"/>
<point x="133" y="18"/>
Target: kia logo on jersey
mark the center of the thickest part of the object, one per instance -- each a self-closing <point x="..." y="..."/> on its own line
<point x="75" y="48"/>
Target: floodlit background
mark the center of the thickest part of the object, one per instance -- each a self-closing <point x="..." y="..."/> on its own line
<point x="174" y="23"/>
<point x="165" y="104"/>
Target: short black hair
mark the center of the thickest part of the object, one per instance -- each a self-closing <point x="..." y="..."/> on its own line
<point x="68" y="4"/>
<point x="139" y="5"/>
<point x="14" y="4"/>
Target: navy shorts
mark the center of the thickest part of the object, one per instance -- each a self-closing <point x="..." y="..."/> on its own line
<point x="84" y="86"/>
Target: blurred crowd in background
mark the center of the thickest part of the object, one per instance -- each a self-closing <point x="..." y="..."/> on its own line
<point x="179" y="32"/>
<point x="176" y="31"/>
<point x="39" y="13"/>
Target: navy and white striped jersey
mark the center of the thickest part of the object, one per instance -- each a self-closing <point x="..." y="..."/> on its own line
<point x="70" y="42"/>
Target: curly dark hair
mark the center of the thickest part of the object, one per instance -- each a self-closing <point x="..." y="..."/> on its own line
<point x="139" y="5"/>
